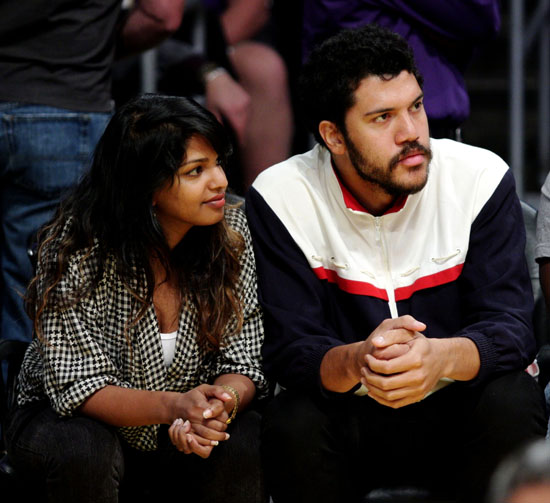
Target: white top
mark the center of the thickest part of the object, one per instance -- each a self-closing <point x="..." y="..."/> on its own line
<point x="168" y="347"/>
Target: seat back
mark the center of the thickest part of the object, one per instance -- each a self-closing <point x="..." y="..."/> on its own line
<point x="11" y="356"/>
<point x="541" y="319"/>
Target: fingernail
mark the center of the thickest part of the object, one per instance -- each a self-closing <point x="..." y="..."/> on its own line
<point x="186" y="422"/>
<point x="379" y="339"/>
<point x="178" y="421"/>
<point x="207" y="413"/>
<point x="227" y="436"/>
<point x="214" y="442"/>
<point x="189" y="438"/>
<point x="227" y="396"/>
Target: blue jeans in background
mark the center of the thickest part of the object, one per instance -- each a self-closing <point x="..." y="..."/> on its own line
<point x="43" y="152"/>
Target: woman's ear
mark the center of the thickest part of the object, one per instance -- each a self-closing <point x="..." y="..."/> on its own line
<point x="333" y="138"/>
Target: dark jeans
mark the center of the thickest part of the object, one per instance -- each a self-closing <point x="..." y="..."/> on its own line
<point x="335" y="450"/>
<point x="80" y="459"/>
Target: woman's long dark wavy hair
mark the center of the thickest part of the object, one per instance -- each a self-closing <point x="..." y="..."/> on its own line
<point x="140" y="151"/>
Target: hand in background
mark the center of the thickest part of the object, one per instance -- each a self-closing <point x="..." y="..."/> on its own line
<point x="226" y="98"/>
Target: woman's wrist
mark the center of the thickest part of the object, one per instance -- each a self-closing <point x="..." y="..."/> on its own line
<point x="171" y="406"/>
<point x="236" y="401"/>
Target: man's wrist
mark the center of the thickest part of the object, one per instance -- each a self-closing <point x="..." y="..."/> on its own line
<point x="341" y="367"/>
<point x="463" y="361"/>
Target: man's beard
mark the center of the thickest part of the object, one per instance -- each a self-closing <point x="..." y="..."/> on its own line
<point x="382" y="177"/>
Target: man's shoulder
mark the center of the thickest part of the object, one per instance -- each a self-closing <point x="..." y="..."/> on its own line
<point x="294" y="175"/>
<point x="466" y="172"/>
<point x="449" y="154"/>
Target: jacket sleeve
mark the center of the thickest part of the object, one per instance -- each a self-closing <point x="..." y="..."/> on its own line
<point x="296" y="333"/>
<point x="242" y="352"/>
<point x="496" y="293"/>
<point x="76" y="363"/>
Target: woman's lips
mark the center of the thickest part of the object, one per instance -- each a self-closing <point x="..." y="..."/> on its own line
<point x="217" y="201"/>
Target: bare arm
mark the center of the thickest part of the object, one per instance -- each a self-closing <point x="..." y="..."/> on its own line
<point x="243" y="18"/>
<point x="148" y="23"/>
<point x="132" y="407"/>
<point x="226" y="98"/>
<point x="244" y="386"/>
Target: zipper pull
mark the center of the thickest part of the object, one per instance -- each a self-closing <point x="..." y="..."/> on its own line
<point x="377" y="226"/>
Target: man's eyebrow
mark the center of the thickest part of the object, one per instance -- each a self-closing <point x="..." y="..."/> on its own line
<point x="385" y="110"/>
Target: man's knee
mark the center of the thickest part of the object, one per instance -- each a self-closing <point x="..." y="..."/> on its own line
<point x="303" y="451"/>
<point x="513" y="407"/>
<point x="294" y="421"/>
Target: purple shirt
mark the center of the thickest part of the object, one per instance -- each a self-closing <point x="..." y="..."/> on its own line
<point x="215" y="5"/>
<point x="442" y="33"/>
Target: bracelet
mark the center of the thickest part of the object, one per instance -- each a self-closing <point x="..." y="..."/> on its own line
<point x="235" y="394"/>
<point x="210" y="75"/>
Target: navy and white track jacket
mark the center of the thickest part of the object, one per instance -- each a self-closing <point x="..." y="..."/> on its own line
<point x="452" y="256"/>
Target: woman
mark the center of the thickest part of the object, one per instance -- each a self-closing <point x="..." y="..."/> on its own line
<point x="147" y="325"/>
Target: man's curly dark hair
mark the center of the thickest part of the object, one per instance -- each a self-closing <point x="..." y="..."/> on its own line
<point x="336" y="67"/>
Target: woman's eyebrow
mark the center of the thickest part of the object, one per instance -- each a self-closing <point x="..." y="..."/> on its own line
<point x="202" y="159"/>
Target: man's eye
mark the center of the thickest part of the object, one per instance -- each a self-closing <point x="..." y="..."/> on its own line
<point x="381" y="118"/>
<point x="418" y="105"/>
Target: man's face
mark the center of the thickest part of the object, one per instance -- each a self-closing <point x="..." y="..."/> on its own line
<point x="387" y="136"/>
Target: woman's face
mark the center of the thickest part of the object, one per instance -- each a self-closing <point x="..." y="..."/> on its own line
<point x="196" y="196"/>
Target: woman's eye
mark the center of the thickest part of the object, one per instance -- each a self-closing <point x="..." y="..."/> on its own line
<point x="195" y="171"/>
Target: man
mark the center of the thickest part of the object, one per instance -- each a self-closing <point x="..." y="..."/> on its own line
<point x="392" y="266"/>
<point x="55" y="100"/>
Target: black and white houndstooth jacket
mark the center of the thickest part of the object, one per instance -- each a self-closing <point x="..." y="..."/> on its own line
<point x="85" y="349"/>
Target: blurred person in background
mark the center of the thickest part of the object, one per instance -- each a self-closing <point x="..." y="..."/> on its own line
<point x="263" y="74"/>
<point x="55" y="100"/>
<point x="223" y="55"/>
<point x="523" y="477"/>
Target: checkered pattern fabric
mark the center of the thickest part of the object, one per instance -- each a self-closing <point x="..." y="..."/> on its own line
<point x="84" y="347"/>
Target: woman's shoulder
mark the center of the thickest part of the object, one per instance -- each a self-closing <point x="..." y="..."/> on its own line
<point x="236" y="218"/>
<point x="80" y="261"/>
